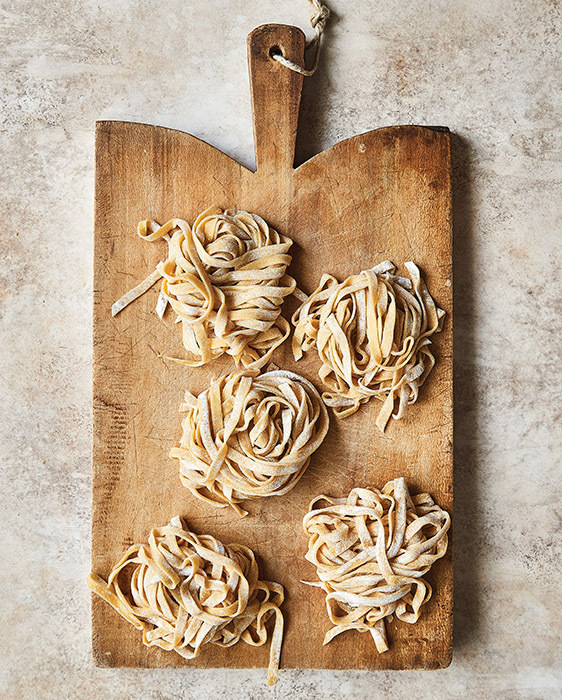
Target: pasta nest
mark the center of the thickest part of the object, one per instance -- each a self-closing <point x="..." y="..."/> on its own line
<point x="249" y="436"/>
<point x="226" y="279"/>
<point x="370" y="551"/>
<point x="184" y="591"/>
<point x="372" y="333"/>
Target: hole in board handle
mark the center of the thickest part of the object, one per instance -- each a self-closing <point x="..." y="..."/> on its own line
<point x="275" y="51"/>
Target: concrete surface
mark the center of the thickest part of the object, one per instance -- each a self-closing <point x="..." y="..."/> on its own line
<point x="490" y="70"/>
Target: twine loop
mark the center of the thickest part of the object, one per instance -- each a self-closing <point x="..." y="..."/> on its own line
<point x="318" y="21"/>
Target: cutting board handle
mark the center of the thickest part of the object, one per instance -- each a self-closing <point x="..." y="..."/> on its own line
<point x="276" y="94"/>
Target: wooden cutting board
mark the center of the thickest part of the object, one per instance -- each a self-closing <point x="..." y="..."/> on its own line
<point x="381" y="195"/>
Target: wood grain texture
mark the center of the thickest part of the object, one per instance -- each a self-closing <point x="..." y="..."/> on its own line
<point x="383" y="194"/>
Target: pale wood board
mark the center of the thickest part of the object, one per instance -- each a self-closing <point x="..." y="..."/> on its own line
<point x="382" y="195"/>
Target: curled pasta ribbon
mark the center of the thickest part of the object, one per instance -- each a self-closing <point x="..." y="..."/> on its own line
<point x="371" y="551"/>
<point x="372" y="333"/>
<point x="184" y="591"/>
<point x="249" y="436"/>
<point x="226" y="279"/>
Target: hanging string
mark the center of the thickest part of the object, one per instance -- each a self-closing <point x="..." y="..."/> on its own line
<point x="318" y="21"/>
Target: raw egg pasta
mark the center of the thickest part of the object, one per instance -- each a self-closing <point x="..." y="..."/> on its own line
<point x="226" y="279"/>
<point x="183" y="591"/>
<point x="373" y="334"/>
<point x="249" y="436"/>
<point x="371" y="551"/>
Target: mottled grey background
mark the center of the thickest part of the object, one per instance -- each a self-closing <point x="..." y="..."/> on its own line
<point x="488" y="69"/>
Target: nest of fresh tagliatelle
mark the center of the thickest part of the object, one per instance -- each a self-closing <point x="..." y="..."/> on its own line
<point x="371" y="551"/>
<point x="249" y="436"/>
<point x="184" y="591"/>
<point x="226" y="280"/>
<point x="373" y="335"/>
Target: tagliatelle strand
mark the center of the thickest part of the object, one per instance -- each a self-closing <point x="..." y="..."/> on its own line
<point x="372" y="333"/>
<point x="184" y="591"/>
<point x="249" y="436"/>
<point x="226" y="280"/>
<point x="370" y="551"/>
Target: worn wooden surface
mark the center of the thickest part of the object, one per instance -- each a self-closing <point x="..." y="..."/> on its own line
<point x="383" y="194"/>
